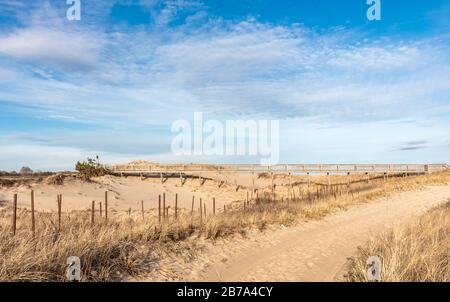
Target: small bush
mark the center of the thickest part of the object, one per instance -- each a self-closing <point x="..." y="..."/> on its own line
<point x="90" y="168"/>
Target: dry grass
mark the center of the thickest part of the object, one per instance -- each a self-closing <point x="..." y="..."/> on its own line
<point x="416" y="252"/>
<point x="129" y="245"/>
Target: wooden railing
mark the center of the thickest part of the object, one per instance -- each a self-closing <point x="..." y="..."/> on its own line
<point x="279" y="168"/>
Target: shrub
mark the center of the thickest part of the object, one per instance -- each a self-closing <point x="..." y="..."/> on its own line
<point x="90" y="168"/>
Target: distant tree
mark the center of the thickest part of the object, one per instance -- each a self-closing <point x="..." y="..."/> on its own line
<point x="26" y="170"/>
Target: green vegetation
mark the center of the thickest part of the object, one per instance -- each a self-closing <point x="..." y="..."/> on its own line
<point x="90" y="168"/>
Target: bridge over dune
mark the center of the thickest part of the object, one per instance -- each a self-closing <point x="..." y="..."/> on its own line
<point x="338" y="169"/>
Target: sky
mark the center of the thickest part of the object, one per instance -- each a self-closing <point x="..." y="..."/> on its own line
<point x="344" y="89"/>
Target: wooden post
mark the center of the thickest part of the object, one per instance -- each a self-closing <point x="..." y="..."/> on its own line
<point x="106" y="205"/>
<point x="192" y="208"/>
<point x="14" y="217"/>
<point x="214" y="205"/>
<point x="309" y="181"/>
<point x="253" y="182"/>
<point x="164" y="206"/>
<point x="176" y="206"/>
<point x="290" y="186"/>
<point x="101" y="213"/>
<point x="159" y="208"/>
<point x="142" y="209"/>
<point x="129" y="212"/>
<point x="59" y="200"/>
<point x="201" y="210"/>
<point x="33" y="222"/>
<point x="224" y="209"/>
<point x="273" y="193"/>
<point x="92" y="212"/>
<point x="204" y="206"/>
<point x="246" y="200"/>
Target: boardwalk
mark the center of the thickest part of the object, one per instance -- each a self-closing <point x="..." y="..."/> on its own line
<point x="143" y="169"/>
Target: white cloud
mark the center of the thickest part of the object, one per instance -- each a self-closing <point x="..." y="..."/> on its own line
<point x="51" y="47"/>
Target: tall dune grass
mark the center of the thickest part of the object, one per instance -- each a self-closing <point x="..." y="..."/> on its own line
<point x="419" y="251"/>
<point x="128" y="245"/>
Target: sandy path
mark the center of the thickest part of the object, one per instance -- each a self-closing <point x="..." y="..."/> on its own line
<point x="316" y="250"/>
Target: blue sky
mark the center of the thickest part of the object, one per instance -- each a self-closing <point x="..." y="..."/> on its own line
<point x="345" y="89"/>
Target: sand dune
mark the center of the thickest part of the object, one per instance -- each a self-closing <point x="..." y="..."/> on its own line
<point x="124" y="193"/>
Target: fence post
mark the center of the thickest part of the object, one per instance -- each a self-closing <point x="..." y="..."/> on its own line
<point x="201" y="210"/>
<point x="92" y="212"/>
<point x="272" y="186"/>
<point x="309" y="180"/>
<point x="129" y="212"/>
<point x="164" y="206"/>
<point x="59" y="211"/>
<point x="33" y="222"/>
<point x="214" y="205"/>
<point x="106" y="205"/>
<point x="142" y="209"/>
<point x="204" y="206"/>
<point x="328" y="179"/>
<point x="253" y="183"/>
<point x="14" y="217"/>
<point x="290" y="186"/>
<point x="159" y="208"/>
<point x="176" y="206"/>
<point x="101" y="212"/>
<point x="192" y="208"/>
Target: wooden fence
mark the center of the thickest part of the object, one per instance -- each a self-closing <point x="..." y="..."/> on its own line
<point x="163" y="206"/>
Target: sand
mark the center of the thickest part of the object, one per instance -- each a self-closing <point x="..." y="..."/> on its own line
<point x="128" y="192"/>
<point x="123" y="192"/>
<point x="312" y="251"/>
